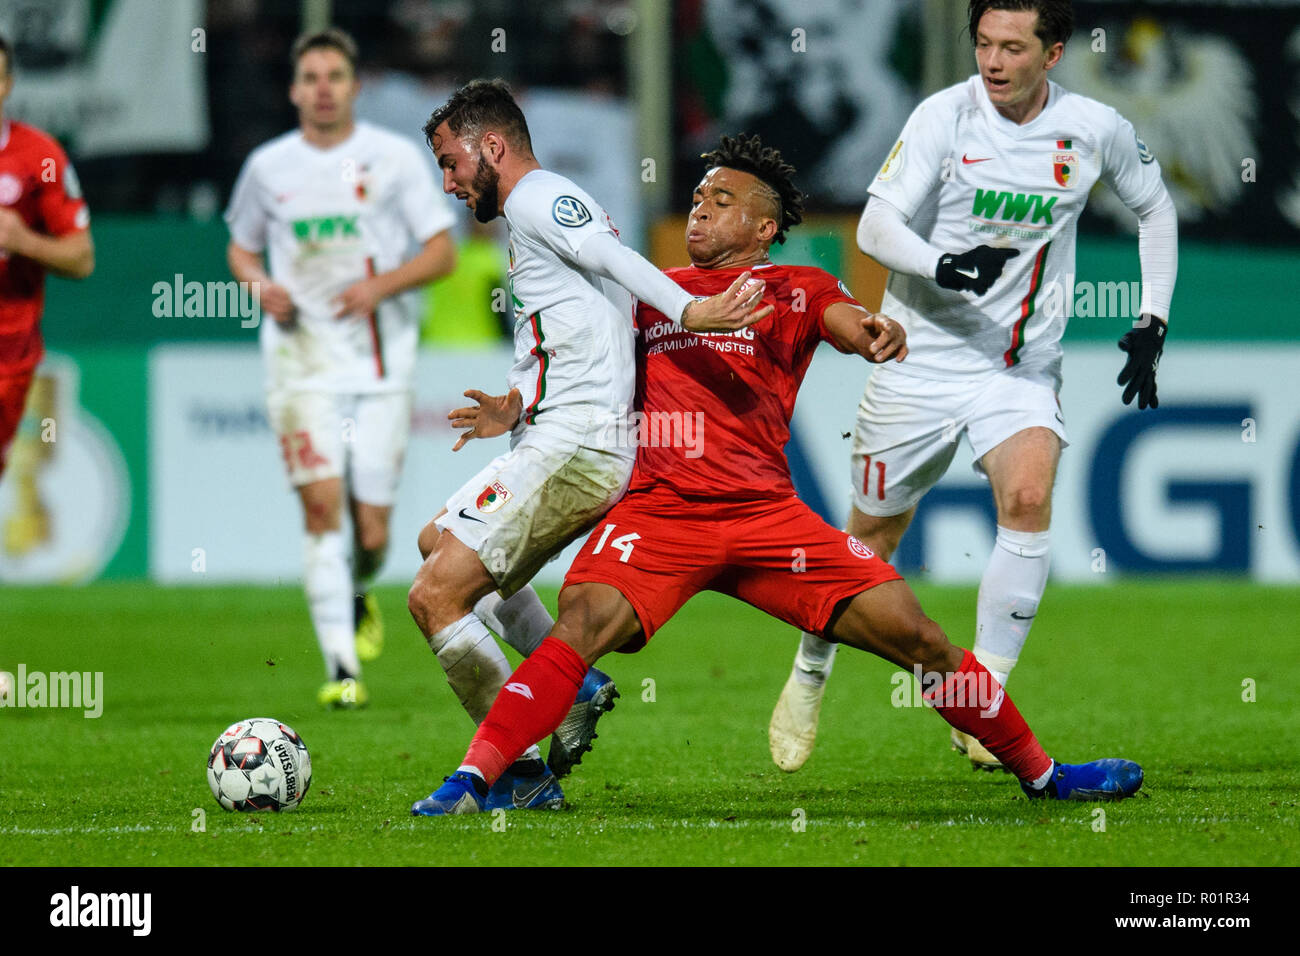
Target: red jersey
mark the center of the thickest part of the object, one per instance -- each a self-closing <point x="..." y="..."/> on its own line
<point x="713" y="410"/>
<point x="38" y="183"/>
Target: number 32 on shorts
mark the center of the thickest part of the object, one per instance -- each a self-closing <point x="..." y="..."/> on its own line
<point x="622" y="543"/>
<point x="866" y="477"/>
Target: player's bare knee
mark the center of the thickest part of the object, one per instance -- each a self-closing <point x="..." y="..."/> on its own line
<point x="1027" y="504"/>
<point x="431" y="602"/>
<point x="417" y="602"/>
<point x="879" y="533"/>
<point x="594" y="620"/>
<point x="320" y="513"/>
<point x="428" y="539"/>
<point x="373" y="537"/>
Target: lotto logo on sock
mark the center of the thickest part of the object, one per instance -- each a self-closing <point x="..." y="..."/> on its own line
<point x="523" y="690"/>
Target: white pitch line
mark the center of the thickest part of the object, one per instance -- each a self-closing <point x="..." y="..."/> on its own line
<point x="588" y="824"/>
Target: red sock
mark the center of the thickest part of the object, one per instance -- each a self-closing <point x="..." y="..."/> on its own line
<point x="974" y="702"/>
<point x="533" y="703"/>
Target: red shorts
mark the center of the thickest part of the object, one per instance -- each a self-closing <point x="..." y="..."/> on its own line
<point x="13" y="397"/>
<point x="659" y="549"/>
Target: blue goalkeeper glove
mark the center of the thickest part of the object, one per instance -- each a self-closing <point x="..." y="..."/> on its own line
<point x="973" y="271"/>
<point x="1143" y="343"/>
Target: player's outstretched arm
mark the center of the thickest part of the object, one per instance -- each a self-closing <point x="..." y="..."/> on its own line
<point x="604" y="255"/>
<point x="493" y="415"/>
<point x="873" y="335"/>
<point x="734" y="308"/>
<point x="71" y="256"/>
<point x="436" y="259"/>
<point x="973" y="271"/>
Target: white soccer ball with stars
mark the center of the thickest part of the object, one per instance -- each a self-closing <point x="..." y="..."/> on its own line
<point x="259" y="764"/>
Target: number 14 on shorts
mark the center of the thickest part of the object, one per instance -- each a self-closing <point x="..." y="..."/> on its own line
<point x="623" y="543"/>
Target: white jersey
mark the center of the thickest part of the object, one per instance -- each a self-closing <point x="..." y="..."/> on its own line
<point x="575" y="339"/>
<point x="964" y="176"/>
<point x="329" y="218"/>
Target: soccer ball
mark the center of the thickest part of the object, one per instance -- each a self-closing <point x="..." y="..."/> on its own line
<point x="259" y="764"/>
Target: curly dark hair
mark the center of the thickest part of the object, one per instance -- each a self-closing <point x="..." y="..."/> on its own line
<point x="749" y="155"/>
<point x="480" y="106"/>
<point x="1055" y="17"/>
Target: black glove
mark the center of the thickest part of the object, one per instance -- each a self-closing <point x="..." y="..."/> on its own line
<point x="1143" y="343"/>
<point x="973" y="271"/>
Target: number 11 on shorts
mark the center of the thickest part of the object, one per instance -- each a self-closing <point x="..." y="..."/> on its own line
<point x="880" y="477"/>
<point x="623" y="543"/>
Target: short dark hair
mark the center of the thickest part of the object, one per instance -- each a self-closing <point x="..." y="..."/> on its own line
<point x="1055" y="17"/>
<point x="481" y="106"/>
<point x="749" y="155"/>
<point x="331" y="39"/>
<point x="8" y="52"/>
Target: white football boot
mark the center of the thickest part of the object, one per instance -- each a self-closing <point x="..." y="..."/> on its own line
<point x="979" y="756"/>
<point x="793" y="729"/>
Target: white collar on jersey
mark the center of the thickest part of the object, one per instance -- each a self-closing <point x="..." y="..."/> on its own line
<point x="326" y="150"/>
<point x="1054" y="93"/>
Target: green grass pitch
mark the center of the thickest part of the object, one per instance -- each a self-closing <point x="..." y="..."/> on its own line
<point x="1153" y="671"/>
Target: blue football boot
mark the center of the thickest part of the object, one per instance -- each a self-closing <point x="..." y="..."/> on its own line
<point x="1109" y="779"/>
<point x="460" y="793"/>
<point x="526" y="785"/>
<point x="573" y="737"/>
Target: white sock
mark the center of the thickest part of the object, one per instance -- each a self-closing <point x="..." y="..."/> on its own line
<point x="327" y="579"/>
<point x="1010" y="591"/>
<point x="525" y="622"/>
<point x="476" y="667"/>
<point x="486" y="611"/>
<point x="1040" y="782"/>
<point x="814" y="659"/>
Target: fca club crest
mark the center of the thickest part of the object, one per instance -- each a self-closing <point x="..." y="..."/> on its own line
<point x="492" y="497"/>
<point x="1065" y="163"/>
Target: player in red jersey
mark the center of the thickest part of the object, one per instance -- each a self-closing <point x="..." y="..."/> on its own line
<point x="711" y="506"/>
<point x="44" y="225"/>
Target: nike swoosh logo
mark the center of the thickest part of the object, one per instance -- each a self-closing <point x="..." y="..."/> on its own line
<point x="522" y="799"/>
<point x="470" y="517"/>
<point x="969" y="275"/>
<point x="1022" y="617"/>
<point x="1059" y="418"/>
<point x="972" y="162"/>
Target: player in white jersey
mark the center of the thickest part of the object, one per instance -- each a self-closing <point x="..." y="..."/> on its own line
<point x="567" y="406"/>
<point x="1002" y="163"/>
<point x="348" y="218"/>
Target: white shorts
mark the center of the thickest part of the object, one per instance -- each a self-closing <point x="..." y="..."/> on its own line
<point x="324" y="435"/>
<point x="908" y="429"/>
<point x="528" y="504"/>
